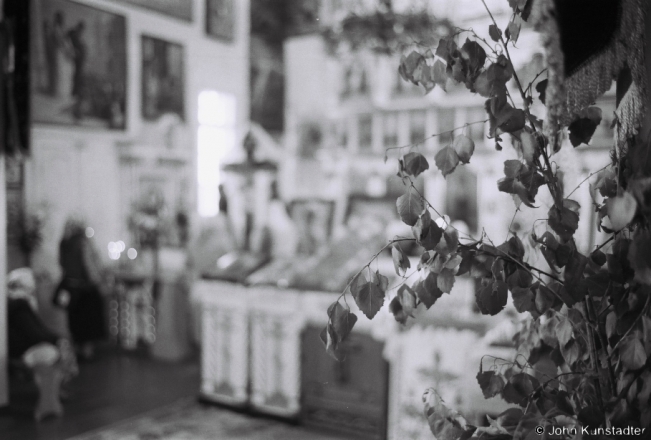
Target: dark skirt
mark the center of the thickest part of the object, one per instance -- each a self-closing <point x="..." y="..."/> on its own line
<point x="86" y="318"/>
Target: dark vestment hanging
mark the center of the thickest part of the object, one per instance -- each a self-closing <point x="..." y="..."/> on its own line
<point x="25" y="329"/>
<point x="86" y="319"/>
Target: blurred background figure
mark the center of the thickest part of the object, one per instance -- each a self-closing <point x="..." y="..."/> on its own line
<point x="49" y="356"/>
<point x="80" y="288"/>
<point x="79" y="55"/>
<point x="60" y="67"/>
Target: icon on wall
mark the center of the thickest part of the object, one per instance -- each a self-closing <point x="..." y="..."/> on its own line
<point x="162" y="79"/>
<point x="220" y="19"/>
<point x="78" y="65"/>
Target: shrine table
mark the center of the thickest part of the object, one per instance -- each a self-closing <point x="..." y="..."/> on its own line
<point x="261" y="350"/>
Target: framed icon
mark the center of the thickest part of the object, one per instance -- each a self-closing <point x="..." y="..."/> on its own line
<point x="79" y="66"/>
<point x="220" y="19"/>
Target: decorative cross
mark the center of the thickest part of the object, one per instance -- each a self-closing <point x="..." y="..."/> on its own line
<point x="343" y="367"/>
<point x="435" y="373"/>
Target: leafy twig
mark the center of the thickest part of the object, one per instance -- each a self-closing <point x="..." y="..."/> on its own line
<point x="534" y="79"/>
<point x="415" y="144"/>
<point x="584" y="180"/>
<point x="592" y="315"/>
<point x="593" y="353"/>
<point x="622" y="394"/>
<point x="524" y="265"/>
<point x="645" y="309"/>
<point x="511" y="224"/>
<point x="434" y="209"/>
<point x="612" y="237"/>
<point x="550" y="176"/>
<point x="540" y="271"/>
<point x="477" y="37"/>
<point x="368" y="265"/>
<point x="402" y="281"/>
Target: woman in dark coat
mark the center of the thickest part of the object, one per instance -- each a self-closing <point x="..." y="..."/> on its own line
<point x="79" y="289"/>
<point x="28" y="337"/>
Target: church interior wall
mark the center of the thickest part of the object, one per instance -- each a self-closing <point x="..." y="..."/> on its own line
<point x="76" y="169"/>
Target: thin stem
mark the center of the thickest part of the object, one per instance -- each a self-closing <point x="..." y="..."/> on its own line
<point x="368" y="265"/>
<point x="644" y="311"/>
<point x="508" y="94"/>
<point x="542" y="386"/>
<point x="592" y="315"/>
<point x="584" y="180"/>
<point x="607" y="309"/>
<point x="637" y="374"/>
<point x="403" y="280"/>
<point x="612" y="237"/>
<point x="497" y="358"/>
<point x="415" y="144"/>
<point x="511" y="224"/>
<point x="550" y="176"/>
<point x="594" y="358"/>
<point x="483" y="40"/>
<point x="544" y="273"/>
<point x="577" y="329"/>
<point x="535" y="78"/>
<point x="521" y="264"/>
<point x="491" y="15"/>
<point x="434" y="209"/>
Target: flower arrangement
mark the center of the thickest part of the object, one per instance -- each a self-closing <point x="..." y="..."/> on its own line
<point x="31" y="232"/>
<point x="148" y="222"/>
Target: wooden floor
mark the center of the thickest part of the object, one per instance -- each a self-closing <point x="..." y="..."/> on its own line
<point x="114" y="387"/>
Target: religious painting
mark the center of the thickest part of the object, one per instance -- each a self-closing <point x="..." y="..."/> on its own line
<point x="365" y="133"/>
<point x="364" y="209"/>
<point x="461" y="200"/>
<point x="15" y="97"/>
<point x="390" y="127"/>
<point x="313" y="219"/>
<point x="220" y="19"/>
<point x="310" y="138"/>
<point x="417" y="124"/>
<point x="16" y="227"/>
<point x="14" y="195"/>
<point x="79" y="65"/>
<point x="181" y="9"/>
<point x="355" y="81"/>
<point x="162" y="79"/>
<point x="303" y="17"/>
<point x="267" y="96"/>
<point x="13" y="172"/>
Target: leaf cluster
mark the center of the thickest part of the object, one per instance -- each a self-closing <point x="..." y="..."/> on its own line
<point x="384" y="30"/>
<point x="583" y="352"/>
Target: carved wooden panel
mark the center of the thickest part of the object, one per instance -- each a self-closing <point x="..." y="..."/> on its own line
<point x="276" y="325"/>
<point x="349" y="396"/>
<point x="225" y="356"/>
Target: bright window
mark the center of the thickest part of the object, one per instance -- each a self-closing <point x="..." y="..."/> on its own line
<point x="215" y="139"/>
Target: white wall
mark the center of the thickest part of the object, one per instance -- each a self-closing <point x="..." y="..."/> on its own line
<point x="77" y="169"/>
